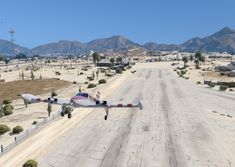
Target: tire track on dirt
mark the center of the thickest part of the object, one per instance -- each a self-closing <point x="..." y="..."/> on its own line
<point x="171" y="146"/>
<point x="111" y="156"/>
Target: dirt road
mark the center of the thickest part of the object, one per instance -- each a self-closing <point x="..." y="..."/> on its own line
<point x="181" y="125"/>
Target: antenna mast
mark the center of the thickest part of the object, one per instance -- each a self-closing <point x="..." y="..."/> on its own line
<point x="12" y="32"/>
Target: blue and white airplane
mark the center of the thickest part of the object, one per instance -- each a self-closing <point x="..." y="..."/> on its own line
<point x="80" y="100"/>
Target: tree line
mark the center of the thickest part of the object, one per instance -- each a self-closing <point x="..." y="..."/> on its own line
<point x="197" y="58"/>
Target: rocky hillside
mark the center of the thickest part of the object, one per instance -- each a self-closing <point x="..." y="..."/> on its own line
<point x="221" y="41"/>
<point x="6" y="48"/>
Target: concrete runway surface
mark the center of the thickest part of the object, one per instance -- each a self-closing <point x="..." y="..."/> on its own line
<point x="182" y="125"/>
<point x="177" y="128"/>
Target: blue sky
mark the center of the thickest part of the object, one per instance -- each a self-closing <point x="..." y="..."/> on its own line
<point x="163" y="21"/>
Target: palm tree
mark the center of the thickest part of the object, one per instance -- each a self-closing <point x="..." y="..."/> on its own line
<point x="112" y="60"/>
<point x="196" y="63"/>
<point x="119" y="60"/>
<point x="198" y="57"/>
<point x="191" y="58"/>
<point x="2" y="57"/>
<point x="185" y="60"/>
<point x="202" y="59"/>
<point x="6" y="62"/>
<point x="96" y="57"/>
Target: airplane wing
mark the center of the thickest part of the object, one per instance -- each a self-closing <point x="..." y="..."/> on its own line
<point x="57" y="101"/>
<point x="29" y="98"/>
<point x="104" y="105"/>
<point x="107" y="106"/>
<point x="130" y="105"/>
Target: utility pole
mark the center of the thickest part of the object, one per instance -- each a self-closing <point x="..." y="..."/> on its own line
<point x="12" y="32"/>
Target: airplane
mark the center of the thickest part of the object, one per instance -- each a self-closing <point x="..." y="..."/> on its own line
<point x="79" y="100"/>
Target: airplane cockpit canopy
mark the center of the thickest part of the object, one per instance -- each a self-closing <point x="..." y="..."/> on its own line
<point x="83" y="94"/>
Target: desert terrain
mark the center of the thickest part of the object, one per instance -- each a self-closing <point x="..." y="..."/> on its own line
<point x="182" y="124"/>
<point x="65" y="85"/>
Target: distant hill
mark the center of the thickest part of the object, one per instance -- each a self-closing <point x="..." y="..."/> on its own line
<point x="114" y="42"/>
<point x="6" y="48"/>
<point x="75" y="47"/>
<point x="63" y="46"/>
<point x="162" y="47"/>
<point x="221" y="41"/>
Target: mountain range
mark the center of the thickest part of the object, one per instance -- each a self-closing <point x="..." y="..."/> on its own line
<point x="221" y="41"/>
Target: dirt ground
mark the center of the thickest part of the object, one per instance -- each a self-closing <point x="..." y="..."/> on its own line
<point x="10" y="90"/>
<point x="206" y="72"/>
<point x="64" y="88"/>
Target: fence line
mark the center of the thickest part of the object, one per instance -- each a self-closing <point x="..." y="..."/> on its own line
<point x="24" y="135"/>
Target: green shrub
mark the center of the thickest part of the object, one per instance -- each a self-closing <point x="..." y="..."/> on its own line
<point x="211" y="85"/>
<point x="91" y="85"/>
<point x="74" y="82"/>
<point x="223" y="88"/>
<point x="57" y="73"/>
<point x="118" y="71"/>
<point x="133" y="71"/>
<point x="102" y="81"/>
<point x="109" y="75"/>
<point x="4" y="129"/>
<point x="86" y="82"/>
<point x="198" y="82"/>
<point x="128" y="67"/>
<point x="85" y="69"/>
<point x="8" y="112"/>
<point x="182" y="72"/>
<point x="35" y="122"/>
<point x="30" y="163"/>
<point x="8" y="106"/>
<point x="90" y="78"/>
<point x="7" y="101"/>
<point x="231" y="90"/>
<point x="17" y="130"/>
<point x="7" y="109"/>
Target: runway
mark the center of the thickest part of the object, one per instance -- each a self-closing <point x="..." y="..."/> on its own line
<point x="181" y="125"/>
<point x="177" y="128"/>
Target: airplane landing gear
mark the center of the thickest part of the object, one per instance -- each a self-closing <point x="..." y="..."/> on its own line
<point x="107" y="113"/>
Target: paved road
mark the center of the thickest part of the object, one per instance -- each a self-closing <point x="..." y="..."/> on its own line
<point x="181" y="125"/>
